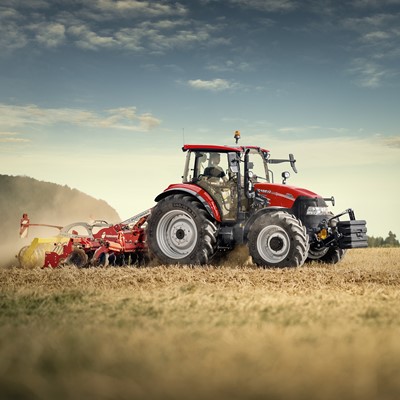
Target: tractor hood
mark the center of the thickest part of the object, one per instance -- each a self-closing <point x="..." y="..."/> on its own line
<point x="280" y="195"/>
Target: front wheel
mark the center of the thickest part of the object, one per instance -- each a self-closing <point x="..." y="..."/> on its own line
<point x="180" y="231"/>
<point x="278" y="239"/>
<point x="316" y="254"/>
<point x="333" y="255"/>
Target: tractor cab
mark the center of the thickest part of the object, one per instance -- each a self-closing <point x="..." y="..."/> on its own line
<point x="227" y="174"/>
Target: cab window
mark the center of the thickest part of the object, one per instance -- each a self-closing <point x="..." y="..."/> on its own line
<point x="259" y="166"/>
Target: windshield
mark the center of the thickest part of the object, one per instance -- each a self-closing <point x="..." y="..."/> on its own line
<point x="258" y="165"/>
<point x="203" y="163"/>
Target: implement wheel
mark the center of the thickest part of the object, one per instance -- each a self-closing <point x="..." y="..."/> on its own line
<point x="180" y="231"/>
<point x="278" y="239"/>
<point x="77" y="257"/>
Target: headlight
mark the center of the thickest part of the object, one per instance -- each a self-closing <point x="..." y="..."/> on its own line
<point x="317" y="210"/>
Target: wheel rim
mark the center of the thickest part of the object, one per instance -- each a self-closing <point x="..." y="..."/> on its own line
<point x="176" y="234"/>
<point x="273" y="244"/>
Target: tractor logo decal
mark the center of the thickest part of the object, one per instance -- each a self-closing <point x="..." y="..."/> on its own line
<point x="288" y="196"/>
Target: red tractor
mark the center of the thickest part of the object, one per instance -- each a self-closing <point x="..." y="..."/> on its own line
<point x="228" y="197"/>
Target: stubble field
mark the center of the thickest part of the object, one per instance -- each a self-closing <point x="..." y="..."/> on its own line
<point x="228" y="332"/>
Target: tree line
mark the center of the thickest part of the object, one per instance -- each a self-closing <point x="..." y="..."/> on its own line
<point x="389" y="241"/>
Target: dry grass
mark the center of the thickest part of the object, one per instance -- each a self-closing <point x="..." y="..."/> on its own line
<point x="232" y="331"/>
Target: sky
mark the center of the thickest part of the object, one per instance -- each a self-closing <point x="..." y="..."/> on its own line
<point x="100" y="95"/>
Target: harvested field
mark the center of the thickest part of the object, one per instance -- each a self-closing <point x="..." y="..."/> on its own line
<point x="227" y="332"/>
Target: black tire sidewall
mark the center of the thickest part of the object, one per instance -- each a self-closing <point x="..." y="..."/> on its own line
<point x="291" y="225"/>
<point x="185" y="203"/>
<point x="78" y="258"/>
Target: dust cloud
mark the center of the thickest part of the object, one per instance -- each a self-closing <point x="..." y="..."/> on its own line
<point x="45" y="203"/>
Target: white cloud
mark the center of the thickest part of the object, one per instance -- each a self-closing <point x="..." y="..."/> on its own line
<point x="13" y="140"/>
<point x="374" y="3"/>
<point x="375" y="46"/>
<point x="298" y="129"/>
<point x="376" y="36"/>
<point x="49" y="34"/>
<point x="392" y="141"/>
<point x="87" y="39"/>
<point x="8" y="13"/>
<point x="31" y="4"/>
<point x="8" y="133"/>
<point x="12" y="35"/>
<point x="369" y="74"/>
<point x="155" y="36"/>
<point x="230" y="66"/>
<point x="121" y="117"/>
<point x="12" y="117"/>
<point x="132" y="25"/>
<point x="129" y="8"/>
<point x="368" y="23"/>
<point x="377" y="31"/>
<point x="311" y="128"/>
<point x="267" y="5"/>
<point x="9" y="137"/>
<point x="214" y="85"/>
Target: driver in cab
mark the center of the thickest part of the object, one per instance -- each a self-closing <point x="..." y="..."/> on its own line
<point x="214" y="170"/>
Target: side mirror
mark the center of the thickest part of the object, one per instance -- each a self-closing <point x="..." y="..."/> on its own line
<point x="292" y="162"/>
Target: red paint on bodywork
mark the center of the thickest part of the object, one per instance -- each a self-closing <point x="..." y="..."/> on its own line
<point x="197" y="190"/>
<point x="282" y="195"/>
<point x="225" y="149"/>
<point x="121" y="239"/>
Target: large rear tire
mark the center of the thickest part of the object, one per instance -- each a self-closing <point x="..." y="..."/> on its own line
<point x="180" y="231"/>
<point x="278" y="239"/>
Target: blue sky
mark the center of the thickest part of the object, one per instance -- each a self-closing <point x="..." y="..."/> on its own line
<point x="99" y="95"/>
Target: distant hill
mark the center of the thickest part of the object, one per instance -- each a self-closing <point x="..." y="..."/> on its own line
<point x="46" y="203"/>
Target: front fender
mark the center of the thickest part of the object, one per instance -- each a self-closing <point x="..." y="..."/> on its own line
<point x="195" y="191"/>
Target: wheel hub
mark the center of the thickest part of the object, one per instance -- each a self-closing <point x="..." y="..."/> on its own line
<point x="180" y="234"/>
<point x="273" y="244"/>
<point x="276" y="243"/>
<point x="177" y="234"/>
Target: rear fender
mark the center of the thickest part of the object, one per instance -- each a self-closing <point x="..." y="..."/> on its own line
<point x="197" y="192"/>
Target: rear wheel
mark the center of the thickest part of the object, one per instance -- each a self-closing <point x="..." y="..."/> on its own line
<point x="179" y="231"/>
<point x="278" y="239"/>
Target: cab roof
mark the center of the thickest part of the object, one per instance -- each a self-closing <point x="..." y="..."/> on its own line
<point x="220" y="148"/>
